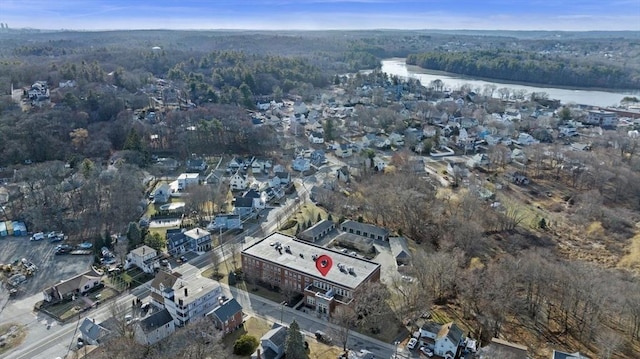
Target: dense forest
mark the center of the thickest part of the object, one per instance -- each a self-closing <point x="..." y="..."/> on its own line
<point x="529" y="67"/>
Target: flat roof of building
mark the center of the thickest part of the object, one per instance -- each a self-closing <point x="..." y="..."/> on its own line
<point x="362" y="268"/>
<point x="196" y="288"/>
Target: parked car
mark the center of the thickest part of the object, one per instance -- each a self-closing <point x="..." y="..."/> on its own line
<point x="426" y="351"/>
<point x="85" y="245"/>
<point x="412" y="343"/>
<point x="37" y="236"/>
<point x="322" y="337"/>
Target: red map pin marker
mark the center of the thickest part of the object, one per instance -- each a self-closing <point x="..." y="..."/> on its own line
<point x="323" y="264"/>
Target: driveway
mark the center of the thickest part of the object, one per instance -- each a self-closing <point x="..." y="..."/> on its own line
<point x="51" y="268"/>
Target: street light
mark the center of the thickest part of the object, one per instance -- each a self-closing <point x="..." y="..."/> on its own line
<point x="282" y="310"/>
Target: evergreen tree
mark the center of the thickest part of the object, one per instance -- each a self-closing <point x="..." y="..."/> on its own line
<point x="134" y="235"/>
<point x="294" y="344"/>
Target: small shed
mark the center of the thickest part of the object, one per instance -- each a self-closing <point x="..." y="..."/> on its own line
<point x="19" y="228"/>
<point x="400" y="250"/>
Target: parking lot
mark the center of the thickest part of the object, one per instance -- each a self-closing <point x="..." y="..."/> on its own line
<point x="51" y="268"/>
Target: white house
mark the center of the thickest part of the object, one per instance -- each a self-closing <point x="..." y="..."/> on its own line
<point x="525" y="139"/>
<point x="602" y="118"/>
<point x="316" y="137"/>
<point x="190" y="299"/>
<point x="187" y="179"/>
<point x="239" y="182"/>
<point x="301" y="164"/>
<point x="344" y="151"/>
<point x="161" y="193"/>
<point x="144" y="258"/>
<point x="154" y="328"/>
<point x="444" y="339"/>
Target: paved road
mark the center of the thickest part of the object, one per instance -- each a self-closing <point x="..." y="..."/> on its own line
<point x="43" y="343"/>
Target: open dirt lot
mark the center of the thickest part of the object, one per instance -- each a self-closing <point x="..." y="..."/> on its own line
<point x="51" y="268"/>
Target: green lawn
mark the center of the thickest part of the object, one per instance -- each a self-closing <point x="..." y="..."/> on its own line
<point x="307" y="213"/>
<point x="14" y="335"/>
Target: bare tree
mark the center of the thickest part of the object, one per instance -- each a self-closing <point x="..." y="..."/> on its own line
<point x="345" y="318"/>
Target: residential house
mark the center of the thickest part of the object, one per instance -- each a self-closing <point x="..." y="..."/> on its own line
<point x="160" y="282"/>
<point x="396" y="139"/>
<point x="75" y="286"/>
<point x="499" y="348"/>
<point x="272" y="343"/>
<point x="261" y="166"/>
<point x="364" y="230"/>
<point x="465" y="141"/>
<point x="187" y="179"/>
<point x="343" y="174"/>
<point x="227" y="316"/>
<point x="344" y="151"/>
<point x="93" y="333"/>
<point x="196" y="165"/>
<point x="369" y="140"/>
<point x="317" y="231"/>
<point x="243" y="206"/>
<point x="191" y="299"/>
<point x="525" y="139"/>
<point x="478" y="160"/>
<point x="301" y="164"/>
<point x="161" y="193"/>
<point x="444" y="339"/>
<point x="604" y="119"/>
<point x="285" y="177"/>
<point x="400" y="250"/>
<point x="318" y="158"/>
<point x="259" y="199"/>
<point x="224" y="222"/>
<point x="144" y="257"/>
<point x="177" y="242"/>
<point x="299" y="108"/>
<point x="167" y="164"/>
<point x="316" y="137"/>
<point x="154" y="328"/>
<point x="239" y="181"/>
<point x="556" y="354"/>
<point x="199" y="239"/>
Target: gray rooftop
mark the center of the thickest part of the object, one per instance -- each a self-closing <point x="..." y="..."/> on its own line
<point x="196" y="233"/>
<point x="196" y="286"/>
<point x="227" y="310"/>
<point x="143" y="250"/>
<point x="399" y="247"/>
<point x="155" y="320"/>
<point x="263" y="250"/>
<point x="363" y="227"/>
<point x="277" y="335"/>
<point x="318" y="228"/>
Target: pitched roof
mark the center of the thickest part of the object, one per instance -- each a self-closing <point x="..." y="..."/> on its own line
<point x="452" y="332"/>
<point x="155" y="321"/>
<point x="363" y="227"/>
<point x="284" y="175"/>
<point x="562" y="355"/>
<point x="431" y="327"/>
<point x="166" y="279"/>
<point x="277" y="335"/>
<point x="318" y="228"/>
<point x="243" y="202"/>
<point x="399" y="247"/>
<point x="69" y="285"/>
<point x="227" y="310"/>
<point x="252" y="193"/>
<point x="91" y="330"/>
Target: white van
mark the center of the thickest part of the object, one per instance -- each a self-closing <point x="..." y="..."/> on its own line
<point x="37" y="236"/>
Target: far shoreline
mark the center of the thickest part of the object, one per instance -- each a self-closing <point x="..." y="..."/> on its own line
<point x="426" y="71"/>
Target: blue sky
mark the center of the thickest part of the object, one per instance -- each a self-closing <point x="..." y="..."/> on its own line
<point x="323" y="14"/>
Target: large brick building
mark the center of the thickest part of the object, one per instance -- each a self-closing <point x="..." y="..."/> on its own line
<point x="289" y="263"/>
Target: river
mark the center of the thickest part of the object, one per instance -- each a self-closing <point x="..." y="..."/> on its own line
<point x="398" y="67"/>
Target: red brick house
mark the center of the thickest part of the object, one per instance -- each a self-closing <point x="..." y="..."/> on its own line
<point x="227" y="316"/>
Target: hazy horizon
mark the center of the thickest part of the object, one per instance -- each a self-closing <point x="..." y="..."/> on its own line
<point x="96" y="15"/>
